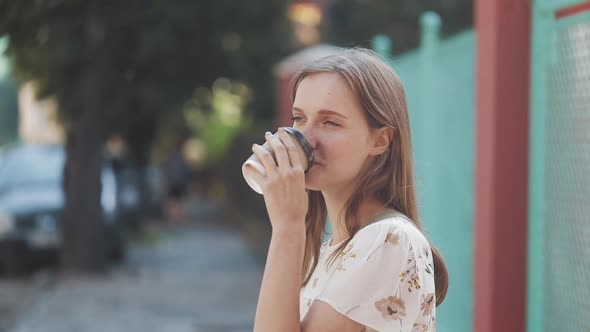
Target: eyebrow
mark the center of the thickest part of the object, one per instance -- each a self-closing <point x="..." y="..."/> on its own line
<point x="323" y="111"/>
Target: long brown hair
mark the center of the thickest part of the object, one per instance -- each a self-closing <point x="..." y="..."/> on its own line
<point x="391" y="175"/>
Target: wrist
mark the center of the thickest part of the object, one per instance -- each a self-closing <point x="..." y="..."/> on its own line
<point x="294" y="232"/>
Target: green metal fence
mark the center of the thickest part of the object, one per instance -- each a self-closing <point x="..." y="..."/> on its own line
<point x="439" y="83"/>
<point x="559" y="193"/>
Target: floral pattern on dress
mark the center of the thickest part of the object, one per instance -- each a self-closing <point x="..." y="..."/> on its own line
<point x="392" y="308"/>
<point x="423" y="327"/>
<point x="428" y="307"/>
<point x="424" y="258"/>
<point x="392" y="238"/>
<point x="346" y="254"/>
<point x="359" y="285"/>
<point x="315" y="282"/>
<point x="427" y="304"/>
<point x="410" y="274"/>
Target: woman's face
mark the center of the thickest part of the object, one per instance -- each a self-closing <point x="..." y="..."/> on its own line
<point x="328" y="113"/>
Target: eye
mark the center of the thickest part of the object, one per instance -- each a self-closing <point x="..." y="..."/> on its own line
<point x="295" y="118"/>
<point x="333" y="123"/>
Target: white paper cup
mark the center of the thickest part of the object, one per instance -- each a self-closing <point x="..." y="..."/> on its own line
<point x="305" y="153"/>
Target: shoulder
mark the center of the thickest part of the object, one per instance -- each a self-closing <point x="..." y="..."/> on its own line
<point x="398" y="231"/>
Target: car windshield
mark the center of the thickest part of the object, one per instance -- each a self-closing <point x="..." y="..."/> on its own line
<point x="32" y="165"/>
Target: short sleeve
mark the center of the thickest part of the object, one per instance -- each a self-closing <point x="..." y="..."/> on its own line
<point x="376" y="281"/>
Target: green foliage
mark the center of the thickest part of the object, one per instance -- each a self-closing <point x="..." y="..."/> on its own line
<point x="217" y="115"/>
<point x="156" y="53"/>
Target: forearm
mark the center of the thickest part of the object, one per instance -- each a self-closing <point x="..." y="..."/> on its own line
<point x="278" y="302"/>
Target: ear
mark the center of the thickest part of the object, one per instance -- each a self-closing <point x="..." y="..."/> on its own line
<point x="381" y="138"/>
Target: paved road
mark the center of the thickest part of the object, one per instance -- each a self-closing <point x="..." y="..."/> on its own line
<point x="16" y="295"/>
<point x="196" y="277"/>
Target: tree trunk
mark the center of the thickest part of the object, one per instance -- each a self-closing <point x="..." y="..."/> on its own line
<point x="139" y="139"/>
<point x="83" y="247"/>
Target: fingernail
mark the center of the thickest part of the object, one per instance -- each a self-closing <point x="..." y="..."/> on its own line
<point x="267" y="133"/>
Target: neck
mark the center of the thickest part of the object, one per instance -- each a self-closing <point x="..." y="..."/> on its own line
<point x="335" y="203"/>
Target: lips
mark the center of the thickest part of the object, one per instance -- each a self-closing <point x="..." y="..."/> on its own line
<point x="313" y="165"/>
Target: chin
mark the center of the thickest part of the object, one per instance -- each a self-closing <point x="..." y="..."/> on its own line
<point x="312" y="188"/>
<point x="315" y="182"/>
<point x="312" y="183"/>
<point x="319" y="181"/>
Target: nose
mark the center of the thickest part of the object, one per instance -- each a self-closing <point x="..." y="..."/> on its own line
<point x="310" y="136"/>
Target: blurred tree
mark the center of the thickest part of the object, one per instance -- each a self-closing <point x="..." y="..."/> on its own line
<point x="8" y="100"/>
<point x="63" y="46"/>
<point x="123" y="67"/>
<point x="354" y="22"/>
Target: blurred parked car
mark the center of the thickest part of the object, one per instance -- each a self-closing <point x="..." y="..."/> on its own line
<point x="32" y="203"/>
<point x="1" y="155"/>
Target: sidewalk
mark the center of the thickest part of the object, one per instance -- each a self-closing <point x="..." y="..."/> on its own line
<point x="198" y="276"/>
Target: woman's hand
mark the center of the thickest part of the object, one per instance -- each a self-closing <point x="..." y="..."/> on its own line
<point x="283" y="186"/>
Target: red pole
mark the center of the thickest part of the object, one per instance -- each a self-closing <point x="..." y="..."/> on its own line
<point x="502" y="119"/>
<point x="284" y="102"/>
<point x="573" y="10"/>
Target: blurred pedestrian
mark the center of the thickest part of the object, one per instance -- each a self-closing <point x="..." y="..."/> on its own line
<point x="177" y="177"/>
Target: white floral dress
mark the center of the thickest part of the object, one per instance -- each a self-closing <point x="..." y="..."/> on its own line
<point x="384" y="278"/>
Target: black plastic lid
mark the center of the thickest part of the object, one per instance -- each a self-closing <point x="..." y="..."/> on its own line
<point x="304" y="144"/>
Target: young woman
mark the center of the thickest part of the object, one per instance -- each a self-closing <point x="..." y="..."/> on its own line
<point x="378" y="271"/>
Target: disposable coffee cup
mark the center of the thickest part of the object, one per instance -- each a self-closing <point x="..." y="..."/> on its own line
<point x="304" y="150"/>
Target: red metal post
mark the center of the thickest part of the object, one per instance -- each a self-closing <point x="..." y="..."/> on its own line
<point x="502" y="119"/>
<point x="573" y="10"/>
<point x="284" y="101"/>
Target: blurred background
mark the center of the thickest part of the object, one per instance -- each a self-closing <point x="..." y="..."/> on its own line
<point x="124" y="125"/>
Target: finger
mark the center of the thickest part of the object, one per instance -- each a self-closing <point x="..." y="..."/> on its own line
<point x="292" y="149"/>
<point x="279" y="149"/>
<point x="265" y="158"/>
